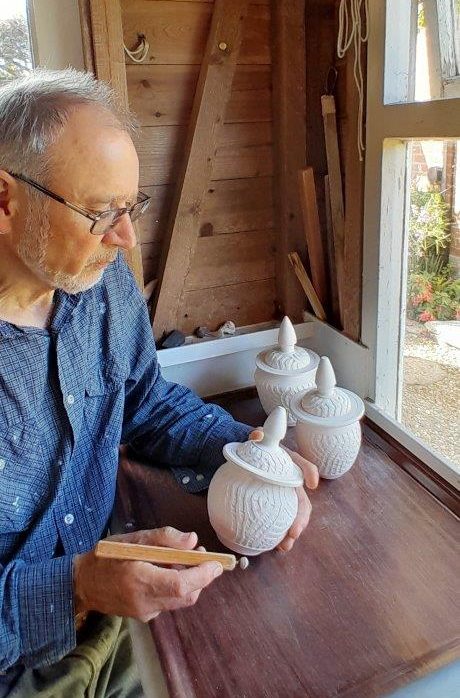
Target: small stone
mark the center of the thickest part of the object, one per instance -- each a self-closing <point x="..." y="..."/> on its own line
<point x="243" y="563"/>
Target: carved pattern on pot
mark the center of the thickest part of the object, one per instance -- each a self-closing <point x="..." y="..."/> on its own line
<point x="271" y="395"/>
<point x="259" y="514"/>
<point x="333" y="453"/>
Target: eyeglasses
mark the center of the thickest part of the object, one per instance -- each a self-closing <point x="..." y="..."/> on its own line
<point x="103" y="221"/>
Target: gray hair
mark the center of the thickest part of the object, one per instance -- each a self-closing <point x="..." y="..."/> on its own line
<point x="34" y="110"/>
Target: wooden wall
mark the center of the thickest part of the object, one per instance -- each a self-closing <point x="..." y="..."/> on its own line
<point x="233" y="270"/>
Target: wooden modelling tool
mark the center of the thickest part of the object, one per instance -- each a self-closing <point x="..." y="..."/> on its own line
<point x="166" y="556"/>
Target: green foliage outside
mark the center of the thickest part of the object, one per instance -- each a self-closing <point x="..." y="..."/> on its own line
<point x="15" y="55"/>
<point x="433" y="292"/>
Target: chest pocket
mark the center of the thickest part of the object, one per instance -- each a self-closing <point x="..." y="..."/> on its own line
<point x="104" y="401"/>
<point x="24" y="479"/>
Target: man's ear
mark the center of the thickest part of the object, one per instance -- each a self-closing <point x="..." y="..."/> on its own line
<point x="8" y="201"/>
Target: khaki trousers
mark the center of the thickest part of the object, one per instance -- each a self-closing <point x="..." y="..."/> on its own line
<point x="101" y="666"/>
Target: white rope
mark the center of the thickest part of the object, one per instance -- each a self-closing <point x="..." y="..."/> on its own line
<point x="352" y="31"/>
<point x="139" y="54"/>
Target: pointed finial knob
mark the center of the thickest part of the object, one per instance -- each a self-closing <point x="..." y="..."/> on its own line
<point x="325" y="377"/>
<point x="275" y="427"/>
<point x="287" y="337"/>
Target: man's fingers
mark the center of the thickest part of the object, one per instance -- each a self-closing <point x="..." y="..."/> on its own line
<point x="310" y="471"/>
<point x="180" y="584"/>
<point x="257" y="434"/>
<point x="168" y="537"/>
<point x="300" y="522"/>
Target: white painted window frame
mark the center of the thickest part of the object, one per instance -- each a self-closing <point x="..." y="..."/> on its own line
<point x="389" y="126"/>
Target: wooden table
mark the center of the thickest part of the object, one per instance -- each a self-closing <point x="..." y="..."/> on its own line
<point x="365" y="602"/>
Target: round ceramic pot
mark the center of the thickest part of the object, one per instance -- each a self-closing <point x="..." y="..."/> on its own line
<point x="328" y="431"/>
<point x="284" y="371"/>
<point x="252" y="499"/>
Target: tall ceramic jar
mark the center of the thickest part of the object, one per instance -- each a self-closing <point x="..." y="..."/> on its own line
<point x="252" y="498"/>
<point x="328" y="431"/>
<point x="284" y="371"/>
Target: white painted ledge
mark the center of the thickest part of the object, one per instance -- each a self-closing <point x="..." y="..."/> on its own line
<point x="211" y="366"/>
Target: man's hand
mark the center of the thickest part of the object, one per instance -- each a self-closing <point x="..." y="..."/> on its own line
<point x="140" y="589"/>
<point x="311" y="478"/>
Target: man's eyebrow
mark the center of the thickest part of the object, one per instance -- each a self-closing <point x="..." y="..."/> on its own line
<point x="112" y="199"/>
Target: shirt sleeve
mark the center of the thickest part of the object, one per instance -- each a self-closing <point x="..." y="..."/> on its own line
<point x="166" y="422"/>
<point x="37" y="625"/>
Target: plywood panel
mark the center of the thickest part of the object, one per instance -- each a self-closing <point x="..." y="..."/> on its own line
<point x="163" y="95"/>
<point x="177" y="32"/>
<point x="244" y="150"/>
<point x="245" y="304"/>
<point x="221" y="260"/>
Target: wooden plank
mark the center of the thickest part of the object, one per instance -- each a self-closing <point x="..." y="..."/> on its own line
<point x="177" y="33"/>
<point x="86" y="35"/>
<point x="163" y="95"/>
<point x="211" y="97"/>
<point x="109" y="65"/>
<point x="333" y="291"/>
<point x="229" y="206"/>
<point x="221" y="260"/>
<point x="313" y="233"/>
<point x="289" y="119"/>
<point x="242" y="150"/>
<point x="307" y="285"/>
<point x="335" y="187"/>
<point x="245" y="304"/>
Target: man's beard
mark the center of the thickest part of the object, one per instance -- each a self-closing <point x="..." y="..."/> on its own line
<point x="33" y="245"/>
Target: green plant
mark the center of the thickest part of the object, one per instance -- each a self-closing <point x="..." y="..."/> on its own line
<point x="433" y="296"/>
<point x="429" y="231"/>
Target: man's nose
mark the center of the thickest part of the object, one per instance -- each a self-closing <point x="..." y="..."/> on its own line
<point x="122" y="234"/>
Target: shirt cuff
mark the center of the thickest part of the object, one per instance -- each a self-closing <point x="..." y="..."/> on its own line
<point x="197" y="479"/>
<point x="46" y="610"/>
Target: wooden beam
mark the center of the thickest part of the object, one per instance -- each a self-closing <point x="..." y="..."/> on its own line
<point x="313" y="233"/>
<point x="335" y="187"/>
<point x="211" y="97"/>
<point x="307" y="285"/>
<point x="104" y="55"/>
<point x="289" y="125"/>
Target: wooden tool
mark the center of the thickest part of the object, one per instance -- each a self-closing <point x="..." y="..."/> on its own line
<point x="307" y="285"/>
<point x="334" y="293"/>
<point x="166" y="556"/>
<point x="313" y="232"/>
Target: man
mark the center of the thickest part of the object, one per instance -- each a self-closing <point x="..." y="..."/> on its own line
<point x="79" y="376"/>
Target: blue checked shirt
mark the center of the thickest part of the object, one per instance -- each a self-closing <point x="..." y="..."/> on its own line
<point x="69" y="395"/>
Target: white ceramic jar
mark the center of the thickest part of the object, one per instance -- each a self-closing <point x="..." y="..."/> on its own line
<point x="328" y="431"/>
<point x="252" y="498"/>
<point x="284" y="371"/>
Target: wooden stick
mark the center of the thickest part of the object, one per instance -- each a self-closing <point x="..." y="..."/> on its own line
<point x="313" y="232"/>
<point x="335" y="186"/>
<point x="167" y="556"/>
<point x="335" y="298"/>
<point x="307" y="285"/>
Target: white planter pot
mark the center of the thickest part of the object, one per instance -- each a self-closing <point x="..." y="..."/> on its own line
<point x="252" y="499"/>
<point x="328" y="431"/>
<point x="284" y="371"/>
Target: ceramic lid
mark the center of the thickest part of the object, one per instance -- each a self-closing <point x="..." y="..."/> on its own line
<point x="287" y="358"/>
<point x="266" y="458"/>
<point x="327" y="404"/>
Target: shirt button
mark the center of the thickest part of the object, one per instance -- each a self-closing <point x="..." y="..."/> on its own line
<point x="69" y="519"/>
<point x="200" y="477"/>
<point x="185" y="480"/>
<point x="70" y="399"/>
<point x="2" y="463"/>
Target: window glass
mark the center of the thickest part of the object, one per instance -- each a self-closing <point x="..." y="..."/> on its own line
<point x="422" y="50"/>
<point x="15" y="45"/>
<point x="431" y="346"/>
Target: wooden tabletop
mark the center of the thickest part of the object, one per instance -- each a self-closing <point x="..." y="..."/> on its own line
<point x="366" y="601"/>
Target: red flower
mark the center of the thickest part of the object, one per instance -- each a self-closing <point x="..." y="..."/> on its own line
<point x="425" y="316"/>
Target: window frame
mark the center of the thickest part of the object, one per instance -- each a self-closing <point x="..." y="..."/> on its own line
<point x="384" y="265"/>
